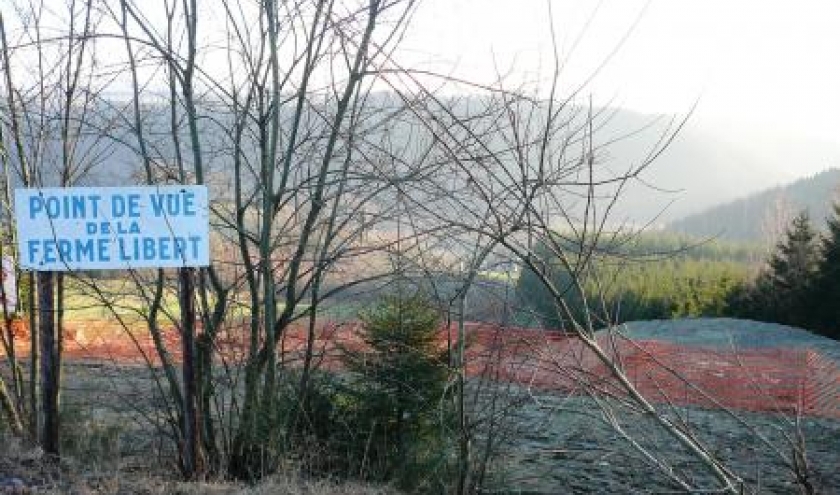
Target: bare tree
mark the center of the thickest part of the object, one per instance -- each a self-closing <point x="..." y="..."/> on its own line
<point x="528" y="175"/>
<point x="276" y="137"/>
<point x="52" y="86"/>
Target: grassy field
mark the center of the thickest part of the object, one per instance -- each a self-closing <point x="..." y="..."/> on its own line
<point x="111" y="298"/>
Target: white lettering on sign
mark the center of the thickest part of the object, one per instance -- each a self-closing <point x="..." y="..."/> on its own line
<point x="83" y="228"/>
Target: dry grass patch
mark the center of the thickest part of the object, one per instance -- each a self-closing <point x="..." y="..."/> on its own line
<point x="20" y="460"/>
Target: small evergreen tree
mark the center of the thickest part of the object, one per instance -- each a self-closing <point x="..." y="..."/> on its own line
<point x="398" y="391"/>
<point x="826" y="288"/>
<point x="782" y="292"/>
<point x="793" y="268"/>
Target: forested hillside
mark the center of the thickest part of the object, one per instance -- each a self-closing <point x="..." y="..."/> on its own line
<point x="649" y="276"/>
<point x="762" y="217"/>
<point x="684" y="179"/>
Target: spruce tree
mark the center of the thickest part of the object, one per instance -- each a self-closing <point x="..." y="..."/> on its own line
<point x="783" y="292"/>
<point x="399" y="388"/>
<point x="793" y="269"/>
<point x="826" y="290"/>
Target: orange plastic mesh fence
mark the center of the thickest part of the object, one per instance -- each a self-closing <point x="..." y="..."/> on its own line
<point x="770" y="379"/>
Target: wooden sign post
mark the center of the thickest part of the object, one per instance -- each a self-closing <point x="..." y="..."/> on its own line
<point x="50" y="426"/>
<point x="190" y="454"/>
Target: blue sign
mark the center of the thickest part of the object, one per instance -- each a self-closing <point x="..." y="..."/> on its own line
<point x="82" y="228"/>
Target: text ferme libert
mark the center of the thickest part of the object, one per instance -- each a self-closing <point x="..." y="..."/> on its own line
<point x="112" y="228"/>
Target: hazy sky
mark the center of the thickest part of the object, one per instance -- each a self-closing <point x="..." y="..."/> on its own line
<point x="766" y="72"/>
<point x="763" y="65"/>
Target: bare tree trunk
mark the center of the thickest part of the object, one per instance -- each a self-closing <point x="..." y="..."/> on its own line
<point x="58" y="320"/>
<point x="463" y="430"/>
<point x="34" y="359"/>
<point x="49" y="357"/>
<point x="190" y="453"/>
<point x="25" y="176"/>
<point x="9" y="408"/>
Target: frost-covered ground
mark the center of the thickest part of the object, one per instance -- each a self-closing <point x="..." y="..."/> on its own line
<point x="564" y="444"/>
<point x="729" y="332"/>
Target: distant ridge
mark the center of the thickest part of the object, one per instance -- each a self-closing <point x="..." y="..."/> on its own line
<point x="763" y="216"/>
<point x="700" y="168"/>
